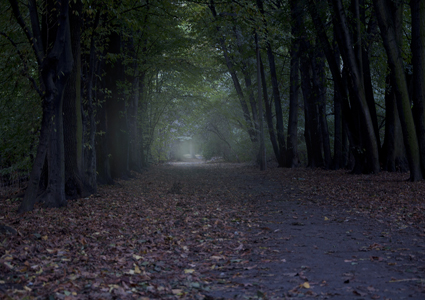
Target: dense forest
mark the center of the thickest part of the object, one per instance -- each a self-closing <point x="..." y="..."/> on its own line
<point x="93" y="90"/>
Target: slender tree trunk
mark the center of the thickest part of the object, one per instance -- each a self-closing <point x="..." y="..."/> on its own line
<point x="338" y="161"/>
<point x="262" y="149"/>
<point x="230" y="66"/>
<point x="417" y="8"/>
<point x="292" y="159"/>
<point x="269" y="114"/>
<point x="247" y="76"/>
<point x="353" y="63"/>
<point x="92" y="64"/>
<point x="276" y="93"/>
<point x="319" y="82"/>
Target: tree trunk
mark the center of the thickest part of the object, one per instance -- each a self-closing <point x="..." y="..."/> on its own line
<point x="319" y="82"/>
<point x="247" y="116"/>
<point x="276" y="94"/>
<point x="262" y="149"/>
<point x="72" y="115"/>
<point x="354" y="66"/>
<point x="52" y="48"/>
<point x="92" y="64"/>
<point x="393" y="153"/>
<point x="386" y="24"/>
<point x="292" y="159"/>
<point x="417" y="8"/>
<point x="269" y="114"/>
<point x="118" y="137"/>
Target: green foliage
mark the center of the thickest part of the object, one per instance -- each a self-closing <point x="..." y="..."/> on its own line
<point x="20" y="105"/>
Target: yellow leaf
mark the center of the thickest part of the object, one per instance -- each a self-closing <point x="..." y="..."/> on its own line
<point x="306" y="285"/>
<point x="136" y="269"/>
<point x="326" y="219"/>
<point x="189" y="271"/>
<point x="44" y="238"/>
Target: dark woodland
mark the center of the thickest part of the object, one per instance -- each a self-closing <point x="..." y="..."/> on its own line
<point x="207" y="149"/>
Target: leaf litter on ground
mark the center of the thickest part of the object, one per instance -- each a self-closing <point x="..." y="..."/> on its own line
<point x="172" y="232"/>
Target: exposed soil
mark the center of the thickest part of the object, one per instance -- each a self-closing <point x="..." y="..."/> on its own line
<point x="223" y="231"/>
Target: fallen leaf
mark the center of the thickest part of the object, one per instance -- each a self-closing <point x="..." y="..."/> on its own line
<point x="177" y="292"/>
<point x="189" y="271"/>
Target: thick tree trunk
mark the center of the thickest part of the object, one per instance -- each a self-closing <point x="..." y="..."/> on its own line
<point x="393" y="153"/>
<point x="52" y="48"/>
<point x="72" y="115"/>
<point x="118" y="135"/>
<point x="386" y="24"/>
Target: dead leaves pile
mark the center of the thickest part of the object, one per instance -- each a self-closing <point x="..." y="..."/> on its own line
<point x="137" y="240"/>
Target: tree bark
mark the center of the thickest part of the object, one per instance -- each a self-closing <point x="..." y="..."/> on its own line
<point x="262" y="149"/>
<point x="72" y="115"/>
<point x="52" y="48"/>
<point x="276" y="93"/>
<point x="292" y="159"/>
<point x="118" y="135"/>
<point x="269" y="114"/>
<point x="417" y="8"/>
<point x="386" y="24"/>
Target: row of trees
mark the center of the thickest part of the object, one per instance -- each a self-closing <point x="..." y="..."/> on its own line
<point x="364" y="47"/>
<point x="116" y="80"/>
<point x="105" y="74"/>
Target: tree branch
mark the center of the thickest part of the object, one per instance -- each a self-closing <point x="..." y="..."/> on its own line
<point x="25" y="71"/>
<point x="18" y="16"/>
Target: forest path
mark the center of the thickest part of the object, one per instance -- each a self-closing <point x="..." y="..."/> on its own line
<point x="299" y="247"/>
<point x="222" y="231"/>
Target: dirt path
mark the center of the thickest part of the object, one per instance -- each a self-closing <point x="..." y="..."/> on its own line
<point x="297" y="248"/>
<point x="213" y="231"/>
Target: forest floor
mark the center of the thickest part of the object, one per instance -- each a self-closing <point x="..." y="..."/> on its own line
<point x="223" y="231"/>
